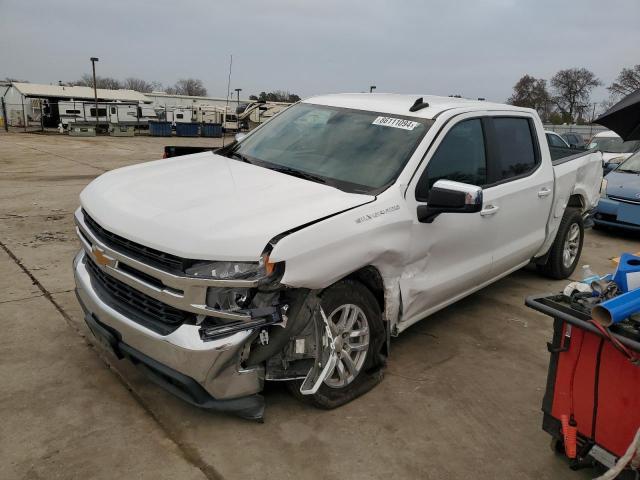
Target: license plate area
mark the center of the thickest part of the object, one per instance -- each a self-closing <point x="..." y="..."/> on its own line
<point x="105" y="337"/>
<point x="628" y="213"/>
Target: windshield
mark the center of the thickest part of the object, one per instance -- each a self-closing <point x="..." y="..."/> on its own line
<point x="631" y="164"/>
<point x="353" y="150"/>
<point x="613" y="145"/>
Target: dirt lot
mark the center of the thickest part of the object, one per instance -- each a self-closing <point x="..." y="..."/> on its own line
<point x="461" y="397"/>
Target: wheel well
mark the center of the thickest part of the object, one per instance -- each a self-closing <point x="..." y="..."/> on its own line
<point x="370" y="277"/>
<point x="576" y="201"/>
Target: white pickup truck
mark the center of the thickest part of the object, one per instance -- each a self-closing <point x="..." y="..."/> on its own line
<point x="295" y="253"/>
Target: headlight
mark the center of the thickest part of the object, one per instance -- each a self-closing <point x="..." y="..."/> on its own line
<point x="228" y="298"/>
<point x="603" y="188"/>
<point x="233" y="270"/>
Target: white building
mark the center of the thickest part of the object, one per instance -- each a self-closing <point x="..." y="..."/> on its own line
<point x="36" y="104"/>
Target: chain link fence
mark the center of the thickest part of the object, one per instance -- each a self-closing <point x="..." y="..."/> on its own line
<point x="586" y="131"/>
<point x="26" y="116"/>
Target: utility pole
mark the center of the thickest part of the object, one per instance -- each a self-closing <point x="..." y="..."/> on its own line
<point x="372" y="88"/>
<point x="95" y="88"/>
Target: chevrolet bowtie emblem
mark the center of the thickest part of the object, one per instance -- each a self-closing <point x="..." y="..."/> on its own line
<point x="100" y="257"/>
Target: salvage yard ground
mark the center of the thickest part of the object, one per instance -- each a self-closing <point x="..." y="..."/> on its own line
<point x="461" y="396"/>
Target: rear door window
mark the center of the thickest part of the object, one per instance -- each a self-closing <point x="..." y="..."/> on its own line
<point x="515" y="150"/>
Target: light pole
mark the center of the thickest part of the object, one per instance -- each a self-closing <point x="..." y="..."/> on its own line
<point x="372" y="88"/>
<point x="238" y="90"/>
<point x="95" y="88"/>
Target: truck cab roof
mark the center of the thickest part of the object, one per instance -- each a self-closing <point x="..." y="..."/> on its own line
<point x="400" y="104"/>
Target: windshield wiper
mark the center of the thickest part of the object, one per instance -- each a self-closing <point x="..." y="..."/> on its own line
<point x="300" y="174"/>
<point x="627" y="171"/>
<point x="239" y="156"/>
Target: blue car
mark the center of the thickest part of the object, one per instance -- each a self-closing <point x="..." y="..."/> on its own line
<point x="619" y="204"/>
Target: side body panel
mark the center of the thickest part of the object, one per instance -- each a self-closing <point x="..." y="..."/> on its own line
<point x="578" y="176"/>
<point x="375" y="234"/>
<point x="524" y="205"/>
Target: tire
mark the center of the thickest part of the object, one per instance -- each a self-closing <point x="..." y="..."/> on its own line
<point x="350" y="379"/>
<point x="561" y="264"/>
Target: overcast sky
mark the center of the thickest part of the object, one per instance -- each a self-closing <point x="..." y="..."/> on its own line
<point x="477" y="48"/>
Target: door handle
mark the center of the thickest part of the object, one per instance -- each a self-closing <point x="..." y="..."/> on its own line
<point x="545" y="192"/>
<point x="490" y="210"/>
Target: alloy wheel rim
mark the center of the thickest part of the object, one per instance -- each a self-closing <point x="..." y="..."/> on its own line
<point x="571" y="245"/>
<point x="350" y="330"/>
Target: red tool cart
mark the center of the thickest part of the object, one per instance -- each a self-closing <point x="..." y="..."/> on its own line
<point x="593" y="384"/>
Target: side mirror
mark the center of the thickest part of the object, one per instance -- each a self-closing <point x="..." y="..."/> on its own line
<point x="447" y="196"/>
<point x="239" y="136"/>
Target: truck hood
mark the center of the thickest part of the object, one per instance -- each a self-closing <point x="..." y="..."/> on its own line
<point x="623" y="185"/>
<point x="208" y="207"/>
<point x="608" y="156"/>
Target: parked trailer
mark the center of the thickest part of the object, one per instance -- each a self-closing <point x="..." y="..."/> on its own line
<point x="107" y="113"/>
<point x="215" y="114"/>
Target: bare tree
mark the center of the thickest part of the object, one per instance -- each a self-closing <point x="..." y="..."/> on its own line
<point x="14" y="80"/>
<point x="140" y="85"/>
<point x="572" y="89"/>
<point x="276" y="96"/>
<point x="101" y="82"/>
<point x="188" y="86"/>
<point x="628" y="81"/>
<point x="531" y="92"/>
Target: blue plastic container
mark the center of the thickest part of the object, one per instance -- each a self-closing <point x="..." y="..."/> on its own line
<point x="627" y="275"/>
<point x="211" y="130"/>
<point x="187" y="129"/>
<point x="160" y="129"/>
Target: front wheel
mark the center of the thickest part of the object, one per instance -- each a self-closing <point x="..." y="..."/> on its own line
<point x="567" y="246"/>
<point x="356" y="324"/>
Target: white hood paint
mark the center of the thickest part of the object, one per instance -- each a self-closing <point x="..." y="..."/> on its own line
<point x="205" y="206"/>
<point x="607" y="156"/>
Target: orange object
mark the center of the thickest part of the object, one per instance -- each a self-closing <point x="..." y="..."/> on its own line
<point x="570" y="433"/>
<point x="616" y="260"/>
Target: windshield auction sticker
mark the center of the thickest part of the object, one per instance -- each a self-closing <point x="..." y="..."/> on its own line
<point x="395" y="123"/>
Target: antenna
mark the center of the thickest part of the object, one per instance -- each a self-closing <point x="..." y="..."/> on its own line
<point x="418" y="105"/>
<point x="228" y="90"/>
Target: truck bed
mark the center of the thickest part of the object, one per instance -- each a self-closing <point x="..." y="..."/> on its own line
<point x="577" y="183"/>
<point x="559" y="154"/>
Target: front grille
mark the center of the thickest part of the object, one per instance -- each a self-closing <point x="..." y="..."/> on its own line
<point x="149" y="312"/>
<point x="151" y="256"/>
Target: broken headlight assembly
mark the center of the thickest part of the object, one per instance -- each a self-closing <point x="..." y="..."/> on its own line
<point x="233" y="270"/>
<point x="245" y="307"/>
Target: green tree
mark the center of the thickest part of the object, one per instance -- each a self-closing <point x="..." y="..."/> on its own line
<point x="531" y="92"/>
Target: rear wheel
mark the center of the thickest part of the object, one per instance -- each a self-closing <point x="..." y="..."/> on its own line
<point x="356" y="325"/>
<point x="567" y="246"/>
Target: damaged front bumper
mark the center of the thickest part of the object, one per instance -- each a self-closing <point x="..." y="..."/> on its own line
<point x="206" y="372"/>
